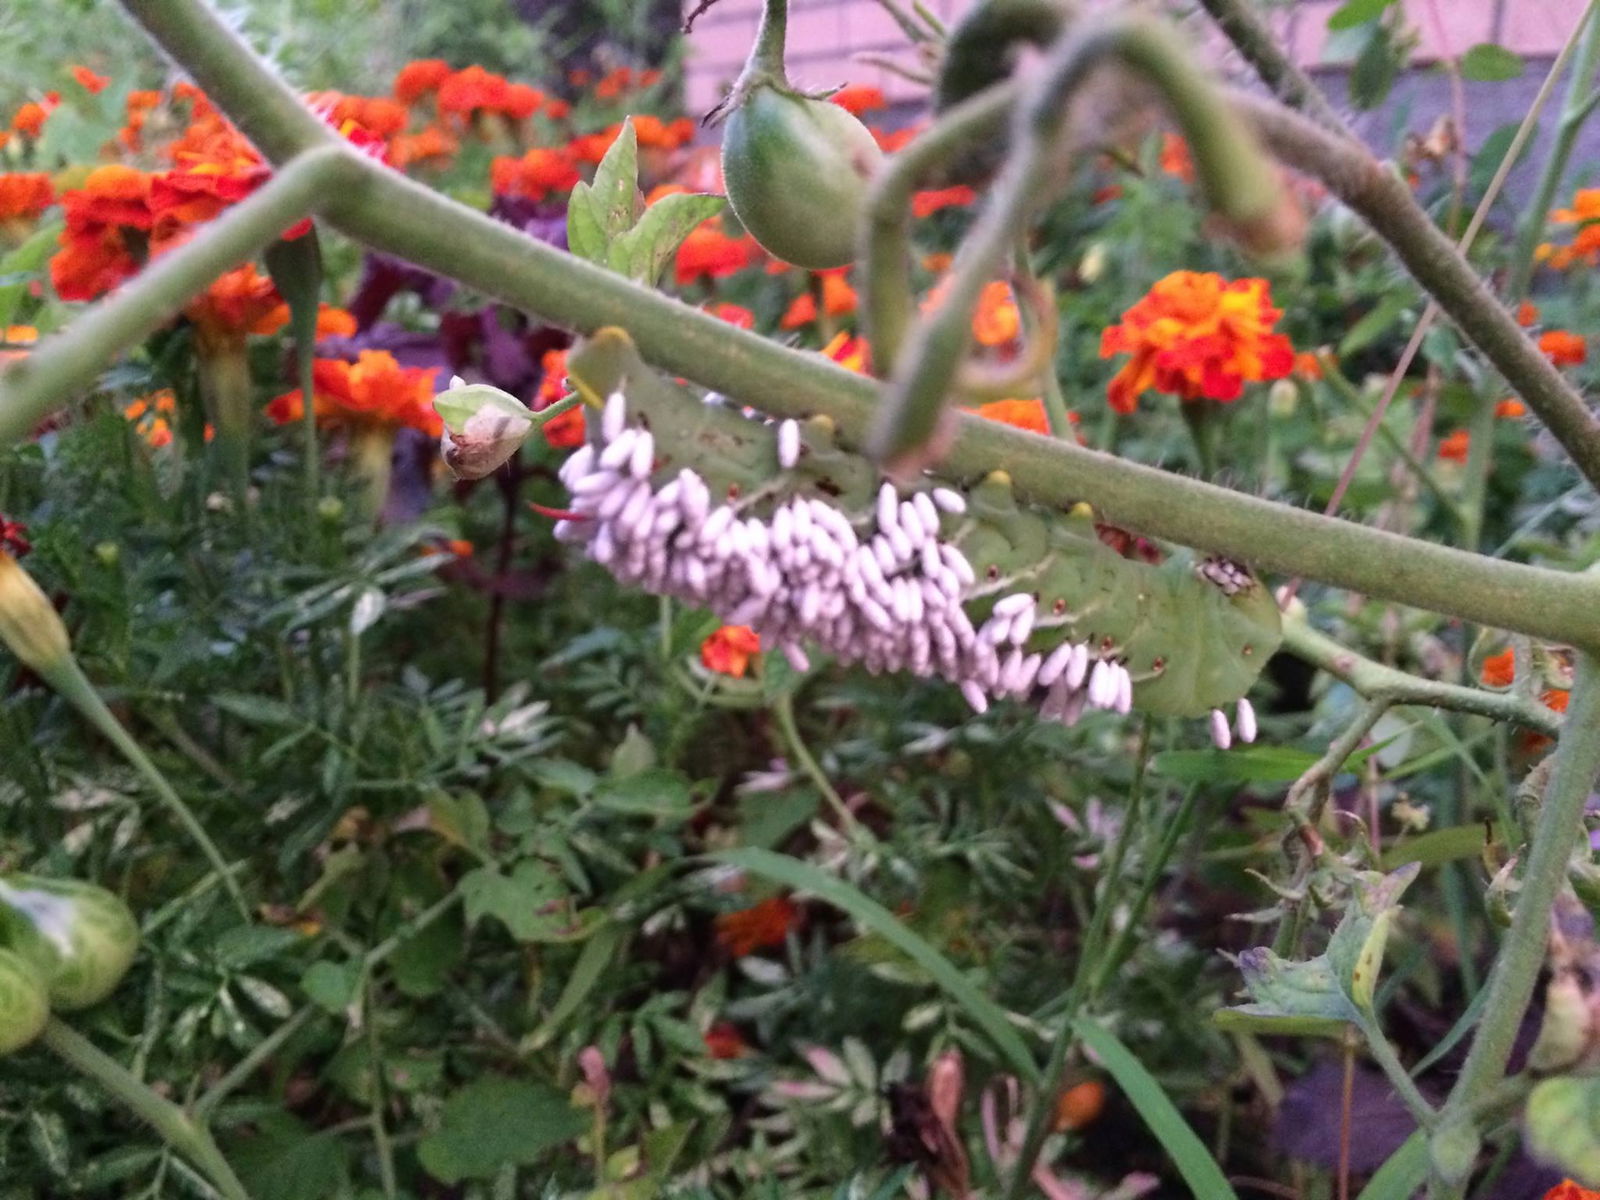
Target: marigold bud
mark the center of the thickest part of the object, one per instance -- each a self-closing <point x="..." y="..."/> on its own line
<point x="29" y="623"/>
<point x="483" y="427"/>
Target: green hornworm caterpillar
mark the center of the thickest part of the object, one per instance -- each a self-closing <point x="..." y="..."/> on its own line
<point x="777" y="526"/>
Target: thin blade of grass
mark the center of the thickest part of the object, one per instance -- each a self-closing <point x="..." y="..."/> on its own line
<point x="1402" y="1173"/>
<point x="802" y="876"/>
<point x="1188" y="1153"/>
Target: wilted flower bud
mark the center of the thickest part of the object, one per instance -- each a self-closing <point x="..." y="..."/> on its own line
<point x="483" y="427"/>
<point x="1283" y="397"/>
<point x="1093" y="263"/>
<point x="29" y="623"/>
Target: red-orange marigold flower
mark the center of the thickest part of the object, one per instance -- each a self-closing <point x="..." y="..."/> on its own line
<point x="858" y="98"/>
<point x="25" y="194"/>
<point x="1527" y="313"/>
<point x="850" y="352"/>
<point x="1455" y="446"/>
<point x="1511" y="407"/>
<point x="709" y="253"/>
<point x="430" y="144"/>
<point x="758" y="927"/>
<point x="1563" y="348"/>
<point x="419" y="78"/>
<point x="373" y="390"/>
<point x="1024" y="414"/>
<point x="535" y="175"/>
<point x="654" y="133"/>
<point x="1567" y="1190"/>
<point x="723" y="1040"/>
<point x="238" y="303"/>
<point x="1499" y="669"/>
<point x="1196" y="335"/>
<point x="567" y="430"/>
<point x="1079" y="1105"/>
<point x="1175" y="157"/>
<point x="88" y="80"/>
<point x="838" y="300"/>
<point x="1585" y="244"/>
<point x="925" y="204"/>
<point x="28" y="121"/>
<point x="729" y="650"/>
<point x="733" y="314"/>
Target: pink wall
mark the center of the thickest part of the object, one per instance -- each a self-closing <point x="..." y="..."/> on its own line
<point x="825" y="34"/>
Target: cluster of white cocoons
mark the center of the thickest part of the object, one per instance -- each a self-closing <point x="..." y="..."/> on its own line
<point x="883" y="588"/>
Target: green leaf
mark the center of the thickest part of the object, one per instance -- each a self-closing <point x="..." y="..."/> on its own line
<point x="1356" y="12"/>
<point x="1375" y="324"/>
<point x="498" y="1122"/>
<point x="1402" y="1173"/>
<point x="585" y="238"/>
<point x="654" y="792"/>
<point x="295" y="266"/>
<point x="633" y="754"/>
<point x="1562" y="1126"/>
<point x="1155" y="1108"/>
<point x="19" y="268"/>
<point x="331" y="986"/>
<point x="461" y="820"/>
<point x="595" y="957"/>
<point x="1489" y="63"/>
<point x="285" y="1161"/>
<point x="614" y="195"/>
<point x="257" y="710"/>
<point x="1373" y="74"/>
<point x="530" y="902"/>
<point x="1246" y="764"/>
<point x="643" y="252"/>
<point x="1355" y="950"/>
<point x="985" y="1013"/>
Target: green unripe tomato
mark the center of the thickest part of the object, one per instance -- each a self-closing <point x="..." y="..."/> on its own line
<point x="24" y="1003"/>
<point x="77" y="936"/>
<point x="797" y="172"/>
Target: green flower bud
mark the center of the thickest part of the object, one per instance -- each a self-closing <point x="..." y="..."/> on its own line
<point x="483" y="427"/>
<point x="79" y="937"/>
<point x="24" y="1006"/>
<point x="29" y="623"/>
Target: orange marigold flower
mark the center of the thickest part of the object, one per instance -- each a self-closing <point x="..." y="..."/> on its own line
<point x="996" y="321"/>
<point x="14" y="336"/>
<point x="238" y="303"/>
<point x="29" y="119"/>
<point x="103" y="242"/>
<point x="892" y="141"/>
<point x="535" y="175"/>
<point x="194" y="194"/>
<point x="838" y="300"/>
<point x="1307" y="365"/>
<point x="1454" y="447"/>
<point x="1585" y="244"/>
<point x="373" y="390"/>
<point x="419" y="78"/>
<point x="470" y="89"/>
<point x="1527" y="313"/>
<point x="1196" y="335"/>
<point x="1511" y="407"/>
<point x="88" y="80"/>
<point x="728" y="651"/>
<point x="858" y="98"/>
<point x="333" y="321"/>
<point x="723" y="1040"/>
<point x="151" y="417"/>
<point x="850" y="352"/>
<point x="1023" y="414"/>
<point x="1175" y="157"/>
<point x="111" y="195"/>
<point x="733" y="314"/>
<point x="1079" y="1105"/>
<point x="567" y="430"/>
<point x="654" y="133"/>
<point x="747" y="930"/>
<point x="1563" y="348"/>
<point x="592" y="147"/>
<point x="25" y="194"/>
<point x="429" y="144"/>
<point x="1568" y="1190"/>
<point x="1499" y="669"/>
<point x="925" y="204"/>
<point x="709" y="253"/>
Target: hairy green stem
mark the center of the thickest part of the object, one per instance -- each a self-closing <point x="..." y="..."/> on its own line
<point x="185" y="1135"/>
<point x="1233" y="175"/>
<point x="1378" y="682"/>
<point x="1522" y="950"/>
<point x="1399" y="1078"/>
<point x="1256" y="44"/>
<point x="887" y="303"/>
<point x="69" y="680"/>
<point x="1574" y="111"/>
<point x="67" y="363"/>
<point x="783" y="710"/>
<point x="1382" y="198"/>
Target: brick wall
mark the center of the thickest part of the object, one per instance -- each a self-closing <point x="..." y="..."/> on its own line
<point x="825" y="35"/>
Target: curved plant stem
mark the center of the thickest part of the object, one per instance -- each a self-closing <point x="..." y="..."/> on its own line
<point x="1378" y="682"/>
<point x="1522" y="950"/>
<point x="1256" y="44"/>
<point x="68" y="679"/>
<point x="1382" y="198"/>
<point x="1574" y="111"/>
<point x="188" y="1137"/>
<point x="783" y="710"/>
<point x="887" y="304"/>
